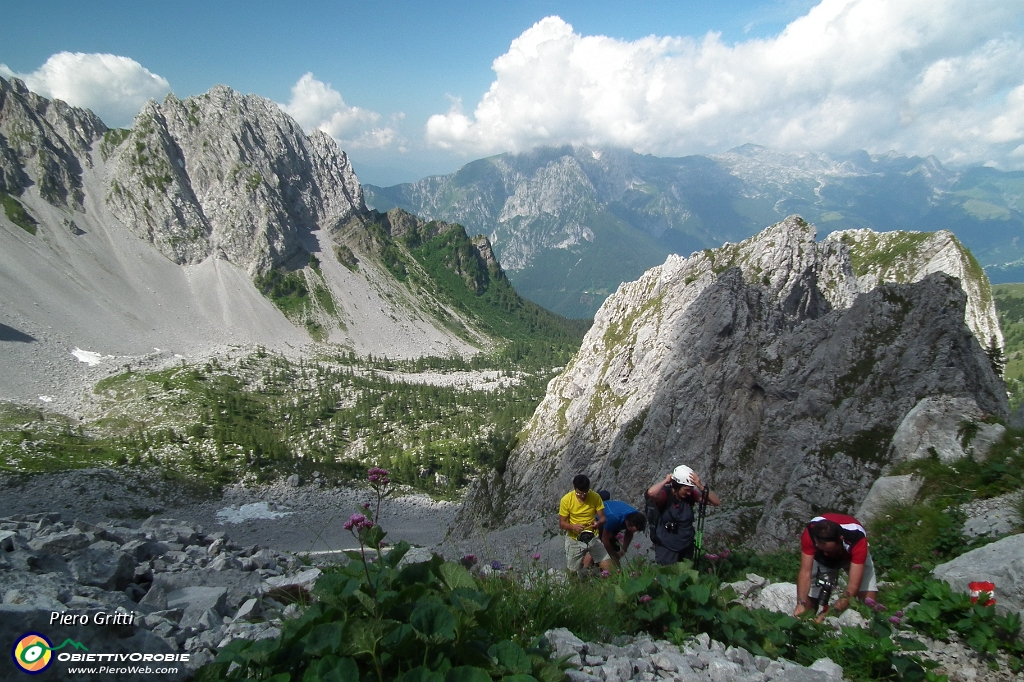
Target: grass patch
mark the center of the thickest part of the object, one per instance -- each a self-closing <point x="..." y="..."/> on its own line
<point x="17" y="214"/>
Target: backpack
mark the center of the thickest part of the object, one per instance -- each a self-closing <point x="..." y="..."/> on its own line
<point x="653" y="514"/>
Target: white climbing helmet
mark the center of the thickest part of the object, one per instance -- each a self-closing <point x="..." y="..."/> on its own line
<point x="683" y="474"/>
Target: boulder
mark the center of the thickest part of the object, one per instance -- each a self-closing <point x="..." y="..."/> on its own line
<point x="240" y="585"/>
<point x="60" y="543"/>
<point x="778" y="597"/>
<point x="988" y="435"/>
<point x="105" y="568"/>
<point x="889" y="490"/>
<point x="935" y="425"/>
<point x="1001" y="563"/>
<point x="195" y="602"/>
<point x="305" y="579"/>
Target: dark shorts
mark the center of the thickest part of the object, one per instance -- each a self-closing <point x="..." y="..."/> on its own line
<point x="665" y="556"/>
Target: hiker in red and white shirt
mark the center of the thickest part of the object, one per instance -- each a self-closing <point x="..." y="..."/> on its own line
<point x="831" y="542"/>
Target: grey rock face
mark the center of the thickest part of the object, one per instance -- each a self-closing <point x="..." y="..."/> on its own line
<point x="759" y="366"/>
<point x="934" y="426"/>
<point x="44" y="142"/>
<point x="232" y="176"/>
<point x="888" y="490"/>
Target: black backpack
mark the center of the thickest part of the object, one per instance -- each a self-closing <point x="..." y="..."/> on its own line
<point x="653" y="514"/>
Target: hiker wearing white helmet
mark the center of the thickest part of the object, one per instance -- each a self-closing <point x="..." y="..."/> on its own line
<point x="675" y="497"/>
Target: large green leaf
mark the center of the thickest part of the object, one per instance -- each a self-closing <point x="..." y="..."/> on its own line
<point x="467" y="673"/>
<point x="324" y="639"/>
<point x="433" y="621"/>
<point x="421" y="674"/>
<point x="332" y="669"/>
<point x="362" y="636"/>
<point x="455" y="575"/>
<point x="469" y="600"/>
<point x="510" y="657"/>
<point x="699" y="593"/>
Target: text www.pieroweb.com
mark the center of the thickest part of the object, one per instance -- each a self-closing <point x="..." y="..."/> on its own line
<point x="123" y="670"/>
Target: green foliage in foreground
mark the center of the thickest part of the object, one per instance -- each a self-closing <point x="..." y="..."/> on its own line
<point x="437" y="621"/>
<point x="426" y="622"/>
<point x="17" y="214"/>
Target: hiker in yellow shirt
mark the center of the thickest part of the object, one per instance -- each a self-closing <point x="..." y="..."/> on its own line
<point x="580" y="512"/>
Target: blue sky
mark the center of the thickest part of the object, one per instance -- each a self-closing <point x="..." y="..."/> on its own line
<point x="413" y="88"/>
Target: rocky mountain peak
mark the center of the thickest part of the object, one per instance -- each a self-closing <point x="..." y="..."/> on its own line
<point x="46" y="143"/>
<point x="229" y="175"/>
<point x="761" y="365"/>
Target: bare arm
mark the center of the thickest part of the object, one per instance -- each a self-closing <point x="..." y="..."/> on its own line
<point x="656" y="489"/>
<point x="803" y="583"/>
<point x="627" y="537"/>
<point x="713" y="498"/>
<point x="856" y="576"/>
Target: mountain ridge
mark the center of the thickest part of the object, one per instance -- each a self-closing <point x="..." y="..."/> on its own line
<point x="649" y="206"/>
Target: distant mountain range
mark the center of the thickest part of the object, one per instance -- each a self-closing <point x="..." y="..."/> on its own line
<point x="569" y="224"/>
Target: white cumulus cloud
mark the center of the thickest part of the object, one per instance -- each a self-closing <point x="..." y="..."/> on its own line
<point x="113" y="87"/>
<point x="316" y="105"/>
<point x="943" y="77"/>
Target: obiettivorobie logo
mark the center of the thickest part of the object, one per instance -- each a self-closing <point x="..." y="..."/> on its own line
<point x="33" y="652"/>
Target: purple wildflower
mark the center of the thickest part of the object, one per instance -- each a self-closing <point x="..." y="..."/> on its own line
<point x="899" y="614"/>
<point x="879" y="608"/>
<point x="378" y="475"/>
<point x="894" y="620"/>
<point x="711" y="557"/>
<point x="469" y="560"/>
<point x="916" y="567"/>
<point x="496" y="565"/>
<point x="605" y="574"/>
<point x="536" y="556"/>
<point x="870" y="602"/>
<point x="646" y="598"/>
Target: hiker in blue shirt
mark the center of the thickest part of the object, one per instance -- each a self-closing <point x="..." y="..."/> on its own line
<point x="620" y="517"/>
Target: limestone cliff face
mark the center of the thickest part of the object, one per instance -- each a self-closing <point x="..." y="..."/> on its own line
<point x="911" y="256"/>
<point x="759" y="365"/>
<point x="45" y="143"/>
<point x="229" y="175"/>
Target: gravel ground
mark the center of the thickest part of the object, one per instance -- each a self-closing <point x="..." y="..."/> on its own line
<point x="310" y="517"/>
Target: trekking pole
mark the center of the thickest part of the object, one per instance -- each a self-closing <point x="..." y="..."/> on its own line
<point x="698" y="534"/>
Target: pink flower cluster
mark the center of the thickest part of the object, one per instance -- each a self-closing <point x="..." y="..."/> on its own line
<point x="378" y="475"/>
<point x="645" y="598"/>
<point x="536" y="556"/>
<point x="357" y="522"/>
